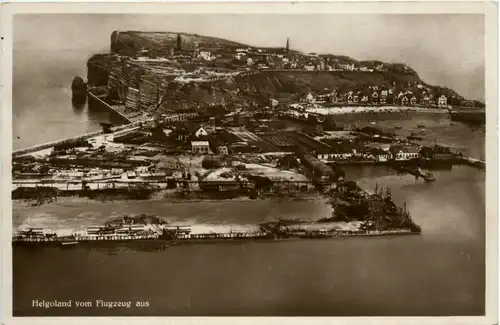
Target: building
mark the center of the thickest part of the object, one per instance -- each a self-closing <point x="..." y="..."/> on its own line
<point x="442" y="101"/>
<point x="347" y="66"/>
<point x="310" y="98"/>
<point x="180" y="134"/>
<point x="222" y="150"/>
<point x="273" y="102"/>
<point x="383" y="96"/>
<point x="437" y="153"/>
<point x="201" y="132"/>
<point x="404" y="152"/>
<point x="200" y="147"/>
<point x="425" y="100"/>
<point x="335" y="154"/>
<point x="179" y="117"/>
<point x="130" y="175"/>
<point x="380" y="155"/>
<point x="413" y="101"/>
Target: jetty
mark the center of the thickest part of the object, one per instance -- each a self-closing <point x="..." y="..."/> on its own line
<point x="415" y="171"/>
<point x="278" y="231"/>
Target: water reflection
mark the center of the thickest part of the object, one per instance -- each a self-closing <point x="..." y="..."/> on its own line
<point x="79" y="103"/>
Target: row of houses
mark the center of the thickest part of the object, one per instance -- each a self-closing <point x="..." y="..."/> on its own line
<point x="396" y="152"/>
<point x="384" y="96"/>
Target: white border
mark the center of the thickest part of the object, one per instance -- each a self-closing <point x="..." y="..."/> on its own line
<point x="491" y="44"/>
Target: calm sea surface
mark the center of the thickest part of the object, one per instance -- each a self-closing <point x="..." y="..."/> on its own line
<point x="42" y="110"/>
<point x="441" y="272"/>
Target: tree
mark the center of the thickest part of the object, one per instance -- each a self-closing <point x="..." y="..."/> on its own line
<point x="210" y="163"/>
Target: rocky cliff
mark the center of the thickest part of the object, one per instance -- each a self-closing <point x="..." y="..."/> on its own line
<point x="130" y="42"/>
<point x="143" y="84"/>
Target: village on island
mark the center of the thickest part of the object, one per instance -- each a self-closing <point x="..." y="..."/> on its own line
<point x="210" y="119"/>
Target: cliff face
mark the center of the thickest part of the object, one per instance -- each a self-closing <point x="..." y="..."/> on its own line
<point x="130" y="42"/>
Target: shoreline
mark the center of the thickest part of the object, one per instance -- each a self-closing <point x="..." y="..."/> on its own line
<point x="356" y="109"/>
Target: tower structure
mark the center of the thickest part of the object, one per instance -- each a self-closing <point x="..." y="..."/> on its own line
<point x="179" y="42"/>
<point x="287" y="48"/>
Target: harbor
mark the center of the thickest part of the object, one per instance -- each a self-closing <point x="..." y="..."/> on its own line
<point x="323" y="259"/>
<point x="213" y="178"/>
<point x="366" y="215"/>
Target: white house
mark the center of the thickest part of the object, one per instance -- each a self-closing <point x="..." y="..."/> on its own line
<point x="310" y="98"/>
<point x="223" y="150"/>
<point x="400" y="152"/>
<point x="347" y="66"/>
<point x="201" y="132"/>
<point x="240" y="55"/>
<point x="337" y="155"/>
<point x="380" y="155"/>
<point x="200" y="147"/>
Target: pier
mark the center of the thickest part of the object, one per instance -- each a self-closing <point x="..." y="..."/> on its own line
<point x="181" y="235"/>
<point x="415" y="171"/>
<point x="86" y="136"/>
<point x="89" y="185"/>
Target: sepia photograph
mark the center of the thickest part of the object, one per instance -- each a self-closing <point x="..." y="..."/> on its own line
<point x="250" y="164"/>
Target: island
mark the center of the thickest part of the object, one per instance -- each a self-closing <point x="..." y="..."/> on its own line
<point x="210" y="119"/>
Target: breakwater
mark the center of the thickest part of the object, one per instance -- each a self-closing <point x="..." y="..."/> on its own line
<point x="86" y="136"/>
<point x="48" y="145"/>
<point x="172" y="236"/>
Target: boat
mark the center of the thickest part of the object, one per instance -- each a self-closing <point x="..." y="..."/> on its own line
<point x="421" y="126"/>
<point x="69" y="243"/>
<point x="373" y="123"/>
<point x="428" y="177"/>
<point x="398" y="127"/>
